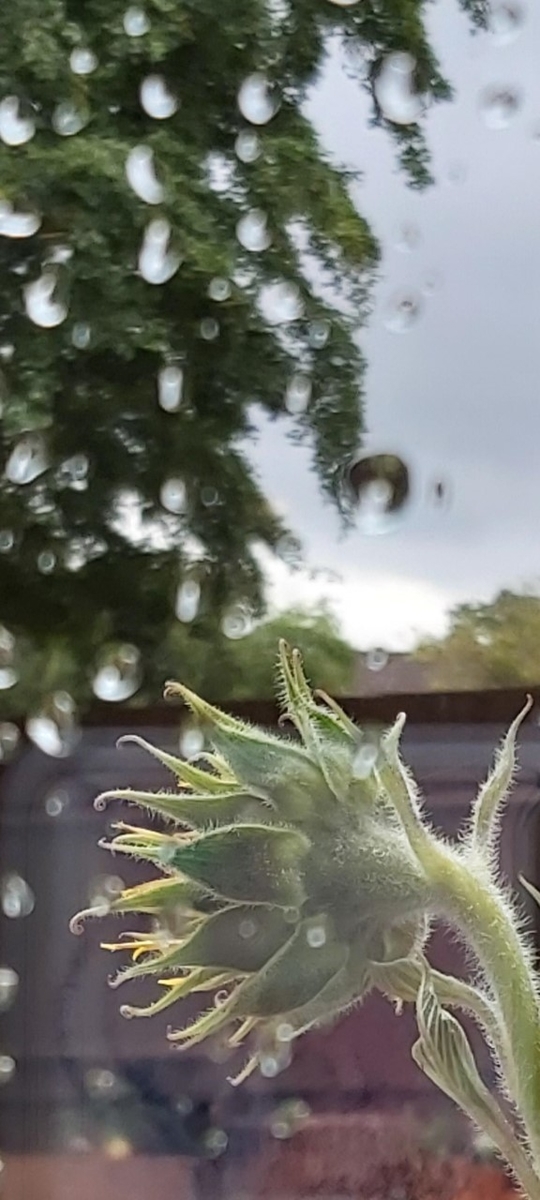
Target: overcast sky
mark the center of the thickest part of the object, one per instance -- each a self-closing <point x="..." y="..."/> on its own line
<point x="458" y="394"/>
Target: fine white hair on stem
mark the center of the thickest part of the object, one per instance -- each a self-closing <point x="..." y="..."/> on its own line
<point x="487" y="809"/>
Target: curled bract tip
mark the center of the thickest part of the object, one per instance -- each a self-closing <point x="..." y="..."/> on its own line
<point x="77" y="922"/>
<point x="101" y="801"/>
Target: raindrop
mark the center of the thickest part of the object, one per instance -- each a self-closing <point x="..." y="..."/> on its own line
<point x="173" y="495"/>
<point x="344" y="3"/>
<point x="81" y="335"/>
<point x="8" y="1067"/>
<point x="247" y="146"/>
<point x="187" y="601"/>
<point x="219" y="172"/>
<point x="237" y="623"/>
<point x="394" y="90"/>
<point x="157" y="263"/>
<point x="8" y="674"/>
<point x="18" y="224"/>
<point x="247" y="928"/>
<point x="9" y="984"/>
<point x="119" y="675"/>
<point x="46" y="562"/>
<point x="27" y="460"/>
<point x="316" y="936"/>
<point x="285" y="1032"/>
<point x="380" y="487"/>
<point x="499" y="106"/>
<point x="252" y="231"/>
<point x="54" y="730"/>
<point x="219" y="289"/>
<point x="67" y="119"/>
<point x="318" y="334"/>
<point x="209" y="329"/>
<point x="257" y="99"/>
<point x="184" y="1105"/>
<point x="209" y="497"/>
<point x="215" y="1142"/>
<point x="298" y="394"/>
<point x="408" y="237"/>
<point x="364" y="760"/>
<point x="269" y="1066"/>
<point x="402" y="311"/>
<point x="17" y="897"/>
<point x="191" y="740"/>
<point x="505" y="21"/>
<point x="141" y="175"/>
<point x="104" y="889"/>
<point x="82" y="61"/>
<point x="7" y="351"/>
<point x="281" y="303"/>
<point x="7" y="540"/>
<point x="156" y="98"/>
<point x="136" y="22"/>
<point x="73" y="472"/>
<point x="15" y="129"/>
<point x="56" y="802"/>
<point x="376" y="659"/>
<point x="100" y="1080"/>
<point x="9" y="740"/>
<point x="243" y="278"/>
<point x="41" y="306"/>
<point x="170" y="388"/>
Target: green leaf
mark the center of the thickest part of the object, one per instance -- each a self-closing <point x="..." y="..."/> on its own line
<point x="252" y="863"/>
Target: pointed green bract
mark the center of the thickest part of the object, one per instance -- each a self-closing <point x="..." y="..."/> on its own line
<point x="296" y="974"/>
<point x="200" y="810"/>
<point x="256" y="864"/>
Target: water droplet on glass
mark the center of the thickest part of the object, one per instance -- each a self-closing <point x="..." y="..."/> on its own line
<point x="157" y="262"/>
<point x="281" y="303"/>
<point x="408" y="237"/>
<point x="82" y="61"/>
<point x="170" y="388"/>
<point x="7" y="351"/>
<point x="8" y="674"/>
<point x="15" y="129"/>
<point x="247" y="146"/>
<point x="402" y="311"/>
<point x="9" y="984"/>
<point x="101" y="1082"/>
<point x="46" y="562"/>
<point x="215" y="1142"/>
<point x="119" y="675"/>
<point x="27" y="460"/>
<point x="219" y="171"/>
<point x="209" y="329"/>
<point x="136" y="22"/>
<point x="141" y="175"/>
<point x="364" y="760"/>
<point x="209" y="497"/>
<point x="187" y="601"/>
<point x="56" y="802"/>
<point x="247" y="928"/>
<point x="219" y="289"/>
<point x="269" y="1066"/>
<point x="8" y="1067"/>
<point x="191" y="740"/>
<point x="17" y="897"/>
<point x="316" y="936"/>
<point x="243" y="278"/>
<point x="252" y="231"/>
<point x="499" y="106"/>
<point x="237" y="622"/>
<point x="7" y="540"/>
<point x="54" y="730"/>
<point x="156" y="98"/>
<point x="505" y="21"/>
<point x="380" y="486"/>
<point x="376" y="659"/>
<point x="395" y="92"/>
<point x="67" y="119"/>
<point x="344" y="3"/>
<point x="285" y="1032"/>
<point x="9" y="740"/>
<point x="173" y="495"/>
<point x="81" y="335"/>
<point x="318" y="334"/>
<point x="257" y="99"/>
<point x="18" y="224"/>
<point x="41" y="305"/>
<point x="298" y="394"/>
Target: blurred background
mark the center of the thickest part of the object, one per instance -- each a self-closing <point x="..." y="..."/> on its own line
<point x="269" y="296"/>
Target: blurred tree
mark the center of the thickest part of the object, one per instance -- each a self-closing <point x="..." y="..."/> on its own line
<point x="172" y="237"/>
<point x="488" y="645"/>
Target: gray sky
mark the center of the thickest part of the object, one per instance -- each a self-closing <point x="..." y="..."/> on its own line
<point x="458" y="394"/>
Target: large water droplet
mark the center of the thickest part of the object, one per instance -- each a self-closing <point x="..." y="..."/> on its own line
<point x="344" y="3"/>
<point x="219" y="289"/>
<point x="141" y="175"/>
<point x="119" y="675"/>
<point x="506" y="20"/>
<point x="380" y="487"/>
<point x="188" y="599"/>
<point x="173" y="495"/>
<point x="27" y="460"/>
<point x="252" y="231"/>
<point x="402" y="310"/>
<point x="67" y="119"/>
<point x="9" y="984"/>
<point x="247" y="146"/>
<point x="18" y="224"/>
<point x="17" y="897"/>
<point x="499" y="106"/>
<point x="365" y="759"/>
<point x="395" y="92"/>
<point x="83" y="61"/>
<point x="376" y="659"/>
<point x="54" y="730"/>
<point x="170" y="387"/>
<point x="9" y="740"/>
<point x="298" y="394"/>
<point x="15" y="128"/>
<point x="191" y="741"/>
<point x="136" y="22"/>
<point x="157" y="262"/>
<point x="281" y="302"/>
<point x="8" y="1066"/>
<point x="41" y="305"/>
<point x="156" y="98"/>
<point x="257" y="99"/>
<point x="8" y="672"/>
<point x="237" y="622"/>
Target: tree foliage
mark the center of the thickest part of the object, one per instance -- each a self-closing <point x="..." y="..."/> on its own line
<point x="489" y="645"/>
